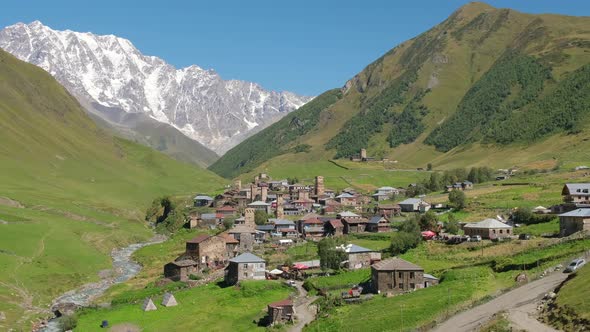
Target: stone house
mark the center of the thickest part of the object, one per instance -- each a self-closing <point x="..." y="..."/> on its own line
<point x="353" y="223"/>
<point x="389" y="210"/>
<point x="576" y="193"/>
<point x="226" y="210"/>
<point x="208" y="251"/>
<point x="488" y="229"/>
<point x="312" y="229"/>
<point x="246" y="236"/>
<point x="359" y="257"/>
<point x="397" y="276"/>
<point x="203" y="201"/>
<point x="281" y="311"/>
<point x="180" y="270"/>
<point x="574" y="221"/>
<point x="346" y="199"/>
<point x="410" y="205"/>
<point x="246" y="266"/>
<point x="378" y="224"/>
<point x="260" y="206"/>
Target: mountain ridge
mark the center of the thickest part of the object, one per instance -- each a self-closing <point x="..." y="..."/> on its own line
<point x="109" y="71"/>
<point x="393" y="106"/>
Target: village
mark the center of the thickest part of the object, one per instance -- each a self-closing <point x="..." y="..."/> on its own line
<point x="247" y="222"/>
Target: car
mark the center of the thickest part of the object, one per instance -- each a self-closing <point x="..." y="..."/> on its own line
<point x="575" y="265"/>
<point x="291" y="283"/>
<point x="524" y="236"/>
<point x="475" y="238"/>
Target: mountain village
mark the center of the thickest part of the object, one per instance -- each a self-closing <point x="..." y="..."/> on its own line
<point x="294" y="214"/>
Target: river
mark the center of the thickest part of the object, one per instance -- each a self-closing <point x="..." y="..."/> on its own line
<point x="124" y="268"/>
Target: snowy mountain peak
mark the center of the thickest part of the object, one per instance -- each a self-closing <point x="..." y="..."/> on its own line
<point x="107" y="73"/>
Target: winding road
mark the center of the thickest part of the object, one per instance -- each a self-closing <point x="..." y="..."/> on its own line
<point x="304" y="311"/>
<point x="520" y="303"/>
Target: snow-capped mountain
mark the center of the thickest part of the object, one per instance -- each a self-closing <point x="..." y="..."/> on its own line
<point x="109" y="75"/>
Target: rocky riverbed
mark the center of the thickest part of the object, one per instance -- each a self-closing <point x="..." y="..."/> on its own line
<point x="124" y="268"/>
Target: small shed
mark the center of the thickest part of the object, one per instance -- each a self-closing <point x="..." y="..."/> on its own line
<point x="169" y="300"/>
<point x="281" y="311"/>
<point x="148" y="305"/>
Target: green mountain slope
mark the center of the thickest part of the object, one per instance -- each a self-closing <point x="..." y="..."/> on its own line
<point x="485" y="79"/>
<point x="69" y="192"/>
<point x="144" y="130"/>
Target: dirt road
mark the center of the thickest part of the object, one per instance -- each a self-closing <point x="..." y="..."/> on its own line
<point x="304" y="311"/>
<point x="518" y="302"/>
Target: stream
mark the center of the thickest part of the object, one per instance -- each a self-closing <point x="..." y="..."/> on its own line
<point x="124" y="268"/>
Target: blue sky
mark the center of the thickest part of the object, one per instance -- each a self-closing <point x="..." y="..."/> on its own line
<point x="301" y="46"/>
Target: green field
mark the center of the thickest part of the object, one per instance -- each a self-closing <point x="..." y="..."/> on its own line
<point x="207" y="308"/>
<point x="74" y="192"/>
<point x="574" y="294"/>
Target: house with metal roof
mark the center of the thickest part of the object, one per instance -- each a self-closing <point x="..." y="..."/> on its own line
<point x="203" y="200"/>
<point x="576" y="193"/>
<point x="397" y="276"/>
<point x="488" y="229"/>
<point x="246" y="266"/>
<point x="574" y="221"/>
<point x="359" y="257"/>
<point x="410" y="204"/>
<point x="378" y="224"/>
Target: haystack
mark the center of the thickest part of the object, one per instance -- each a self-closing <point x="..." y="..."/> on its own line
<point x="169" y="300"/>
<point x="148" y="305"/>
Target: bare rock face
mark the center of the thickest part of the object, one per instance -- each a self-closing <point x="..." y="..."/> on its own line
<point x="109" y="76"/>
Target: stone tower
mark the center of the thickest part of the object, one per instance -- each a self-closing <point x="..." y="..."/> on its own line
<point x="303" y="194"/>
<point x="363" y="154"/>
<point x="280" y="213"/>
<point x="238" y="184"/>
<point x="319" y="185"/>
<point x="249" y="217"/>
<point x="263" y="193"/>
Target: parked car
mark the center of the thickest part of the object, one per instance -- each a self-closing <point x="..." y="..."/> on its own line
<point x="291" y="283"/>
<point x="475" y="238"/>
<point x="575" y="265"/>
<point x="524" y="236"/>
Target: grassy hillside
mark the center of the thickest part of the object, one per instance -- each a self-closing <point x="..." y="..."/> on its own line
<point x="70" y="192"/>
<point x="487" y="86"/>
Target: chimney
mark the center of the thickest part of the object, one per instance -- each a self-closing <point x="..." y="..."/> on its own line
<point x="319" y="185"/>
<point x="249" y="217"/>
<point x="280" y="214"/>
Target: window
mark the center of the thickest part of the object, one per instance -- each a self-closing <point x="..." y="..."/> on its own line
<point x="501" y="232"/>
<point x="401" y="285"/>
<point x="494" y="231"/>
<point x="411" y="275"/>
<point x="412" y="286"/>
<point x="400" y="275"/>
<point x="389" y="286"/>
<point x="245" y="274"/>
<point x="245" y="265"/>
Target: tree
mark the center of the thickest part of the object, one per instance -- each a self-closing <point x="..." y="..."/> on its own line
<point x="330" y="257"/>
<point x="473" y="175"/>
<point x="429" y="167"/>
<point x="452" y="225"/>
<point x="457" y="199"/>
<point x="228" y="222"/>
<point x="260" y="217"/>
<point x="434" y="184"/>
<point x="428" y="221"/>
<point x="407" y="237"/>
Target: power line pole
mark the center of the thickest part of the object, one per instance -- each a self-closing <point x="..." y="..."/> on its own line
<point x="401" y="308"/>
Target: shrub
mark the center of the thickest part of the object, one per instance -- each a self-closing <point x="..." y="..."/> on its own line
<point x="68" y="322"/>
<point x="195" y="277"/>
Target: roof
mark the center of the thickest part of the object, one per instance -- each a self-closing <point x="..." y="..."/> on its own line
<point x="376" y="219"/>
<point x="241" y="229"/>
<point x="345" y="195"/>
<point x="228" y="238"/>
<point x="577" y="213"/>
<point x="199" y="239"/>
<point x="388" y="206"/>
<point x="310" y="216"/>
<point x="283" y="303"/>
<point x="348" y="214"/>
<point x="281" y="222"/>
<point x="259" y="203"/>
<point x="396" y="263"/>
<point x="312" y="221"/>
<point x="226" y="208"/>
<point x="184" y="263"/>
<point x="265" y="228"/>
<point x="411" y="201"/>
<point x="209" y="216"/>
<point x="203" y="198"/>
<point x="429" y="276"/>
<point x="354" y="249"/>
<point x="247" y="258"/>
<point x="315" y="229"/>
<point x="386" y="188"/>
<point x="487" y="223"/>
<point x="578" y="188"/>
<point x="336" y="223"/>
